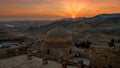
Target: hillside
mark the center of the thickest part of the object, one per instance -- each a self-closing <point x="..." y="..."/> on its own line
<point x="103" y="26"/>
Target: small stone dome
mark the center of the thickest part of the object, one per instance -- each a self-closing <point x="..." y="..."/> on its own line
<point x="58" y="34"/>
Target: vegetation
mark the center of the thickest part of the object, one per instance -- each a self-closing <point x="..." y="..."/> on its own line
<point x="111" y="43"/>
<point x="84" y="44"/>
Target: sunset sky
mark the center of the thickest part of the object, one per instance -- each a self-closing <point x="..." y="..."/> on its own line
<point x="55" y="9"/>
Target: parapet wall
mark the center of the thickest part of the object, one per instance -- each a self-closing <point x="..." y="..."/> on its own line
<point x="10" y="52"/>
<point x="105" y="57"/>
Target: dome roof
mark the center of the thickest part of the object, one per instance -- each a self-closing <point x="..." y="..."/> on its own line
<point x="58" y="34"/>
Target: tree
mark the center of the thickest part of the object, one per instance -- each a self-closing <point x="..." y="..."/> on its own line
<point x="87" y="44"/>
<point x="84" y="44"/>
<point x="111" y="43"/>
<point x="118" y="40"/>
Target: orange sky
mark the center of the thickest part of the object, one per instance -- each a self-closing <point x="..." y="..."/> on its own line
<point x="55" y="9"/>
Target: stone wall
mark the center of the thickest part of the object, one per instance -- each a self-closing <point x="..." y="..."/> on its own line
<point x="57" y="52"/>
<point x="105" y="57"/>
<point x="10" y="52"/>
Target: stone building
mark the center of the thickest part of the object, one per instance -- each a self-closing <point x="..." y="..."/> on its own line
<point x="105" y="57"/>
<point x="58" y="43"/>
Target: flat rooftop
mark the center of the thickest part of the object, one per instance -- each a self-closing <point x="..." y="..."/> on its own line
<point x="21" y="62"/>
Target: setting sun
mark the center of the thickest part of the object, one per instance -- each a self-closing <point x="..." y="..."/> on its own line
<point x="73" y="9"/>
<point x="73" y="16"/>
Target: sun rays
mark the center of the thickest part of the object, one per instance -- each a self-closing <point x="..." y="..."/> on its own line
<point x="73" y="8"/>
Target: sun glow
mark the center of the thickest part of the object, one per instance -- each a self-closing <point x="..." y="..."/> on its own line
<point x="73" y="8"/>
<point x="73" y="16"/>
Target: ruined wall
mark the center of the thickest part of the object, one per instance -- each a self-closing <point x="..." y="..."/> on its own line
<point x="105" y="57"/>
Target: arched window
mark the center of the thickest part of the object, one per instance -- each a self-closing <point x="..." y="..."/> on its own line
<point x="70" y="51"/>
<point x="48" y="51"/>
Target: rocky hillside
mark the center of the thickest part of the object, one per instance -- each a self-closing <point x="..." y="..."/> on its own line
<point x="104" y="25"/>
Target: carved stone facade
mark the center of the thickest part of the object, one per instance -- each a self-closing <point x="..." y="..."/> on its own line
<point x="105" y="57"/>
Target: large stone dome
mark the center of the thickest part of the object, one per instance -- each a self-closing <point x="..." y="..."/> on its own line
<point x="58" y="34"/>
<point x="58" y="42"/>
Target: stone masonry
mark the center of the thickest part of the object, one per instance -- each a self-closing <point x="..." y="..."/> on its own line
<point x="105" y="57"/>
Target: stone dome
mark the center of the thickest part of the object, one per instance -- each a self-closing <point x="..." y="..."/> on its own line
<point x="58" y="34"/>
<point x="58" y="42"/>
